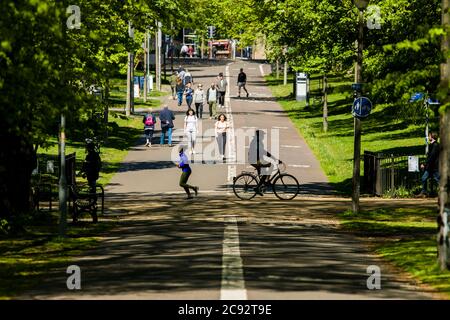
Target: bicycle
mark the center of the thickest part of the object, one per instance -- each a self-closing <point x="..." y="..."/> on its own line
<point x="285" y="186"/>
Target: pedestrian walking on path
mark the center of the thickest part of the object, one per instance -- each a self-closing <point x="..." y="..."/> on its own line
<point x="180" y="90"/>
<point x="188" y="78"/>
<point x="431" y="166"/>
<point x="189" y="93"/>
<point x="149" y="127"/>
<point x="211" y="95"/>
<point x="241" y="82"/>
<point x="166" y="117"/>
<point x="199" y="97"/>
<point x="173" y="84"/>
<point x="186" y="171"/>
<point x="221" y="128"/>
<point x="222" y="89"/>
<point x="190" y="129"/>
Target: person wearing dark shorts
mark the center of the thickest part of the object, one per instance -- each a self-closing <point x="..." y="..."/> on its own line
<point x="186" y="172"/>
<point x="242" y="80"/>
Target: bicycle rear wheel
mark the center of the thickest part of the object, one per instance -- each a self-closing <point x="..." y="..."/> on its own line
<point x="286" y="187"/>
<point x="244" y="186"/>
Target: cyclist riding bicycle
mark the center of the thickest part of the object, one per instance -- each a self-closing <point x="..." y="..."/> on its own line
<point x="256" y="156"/>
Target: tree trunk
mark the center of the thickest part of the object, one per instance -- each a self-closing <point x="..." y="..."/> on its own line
<point x="444" y="203"/>
<point x="325" y="103"/>
<point x="278" y="69"/>
<point x="18" y="160"/>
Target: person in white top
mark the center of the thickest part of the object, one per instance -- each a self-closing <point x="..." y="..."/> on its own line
<point x="199" y="97"/>
<point x="221" y="128"/>
<point x="190" y="129"/>
<point x="184" y="50"/>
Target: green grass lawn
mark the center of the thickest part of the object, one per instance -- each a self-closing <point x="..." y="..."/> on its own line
<point x="404" y="236"/>
<point x="26" y="258"/>
<point x="381" y="132"/>
<point x="118" y="94"/>
<point x="123" y="135"/>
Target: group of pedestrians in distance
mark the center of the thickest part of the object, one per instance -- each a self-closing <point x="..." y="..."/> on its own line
<point x="182" y="86"/>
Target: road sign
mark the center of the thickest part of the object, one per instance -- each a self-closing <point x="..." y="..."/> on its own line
<point x="211" y="31"/>
<point x="362" y="107"/>
<point x="416" y="97"/>
<point x="433" y="101"/>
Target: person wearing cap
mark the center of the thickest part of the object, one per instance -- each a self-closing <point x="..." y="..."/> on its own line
<point x="199" y="97"/>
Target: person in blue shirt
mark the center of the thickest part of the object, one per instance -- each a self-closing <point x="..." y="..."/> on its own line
<point x="186" y="172"/>
<point x="189" y="93"/>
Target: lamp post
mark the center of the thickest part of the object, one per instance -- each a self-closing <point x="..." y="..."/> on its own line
<point x="361" y="5"/>
<point x="130" y="76"/>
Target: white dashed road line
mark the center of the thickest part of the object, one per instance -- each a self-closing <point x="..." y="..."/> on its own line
<point x="230" y="136"/>
<point x="262" y="70"/>
<point x="233" y="283"/>
<point x="299" y="165"/>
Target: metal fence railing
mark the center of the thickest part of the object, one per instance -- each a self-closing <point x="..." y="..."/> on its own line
<point x="387" y="172"/>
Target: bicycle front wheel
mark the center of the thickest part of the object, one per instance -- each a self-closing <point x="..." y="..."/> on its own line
<point x="286" y="187"/>
<point x="244" y="186"/>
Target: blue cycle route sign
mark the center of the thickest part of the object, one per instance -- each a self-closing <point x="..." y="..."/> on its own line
<point x="362" y="107"/>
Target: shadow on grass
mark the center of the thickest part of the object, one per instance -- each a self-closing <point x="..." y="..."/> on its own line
<point x="26" y="259"/>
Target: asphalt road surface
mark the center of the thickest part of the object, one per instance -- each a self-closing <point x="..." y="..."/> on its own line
<point x="219" y="247"/>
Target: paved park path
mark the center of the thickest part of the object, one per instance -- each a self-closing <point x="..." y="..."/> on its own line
<point x="217" y="247"/>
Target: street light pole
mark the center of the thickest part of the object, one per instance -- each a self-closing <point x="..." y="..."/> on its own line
<point x="130" y="87"/>
<point x="158" y="41"/>
<point x="146" y="62"/>
<point x="62" y="178"/>
<point x="361" y="5"/>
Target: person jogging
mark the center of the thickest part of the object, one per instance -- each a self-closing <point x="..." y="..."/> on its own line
<point x="242" y="80"/>
<point x="186" y="172"/>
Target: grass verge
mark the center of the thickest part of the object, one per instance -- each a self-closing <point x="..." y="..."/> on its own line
<point x="123" y="134"/>
<point x="27" y="259"/>
<point x="383" y="131"/>
<point x="406" y="237"/>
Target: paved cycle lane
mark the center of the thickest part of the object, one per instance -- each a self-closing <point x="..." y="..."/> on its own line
<point x="218" y="247"/>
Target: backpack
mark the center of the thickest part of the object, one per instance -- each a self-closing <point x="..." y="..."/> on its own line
<point x="149" y="121"/>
